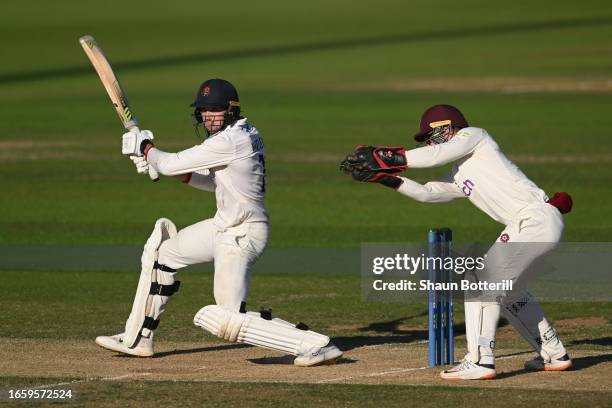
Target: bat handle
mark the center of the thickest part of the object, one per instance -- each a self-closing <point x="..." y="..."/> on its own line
<point x="153" y="174"/>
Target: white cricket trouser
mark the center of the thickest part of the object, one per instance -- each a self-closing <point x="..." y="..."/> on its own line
<point x="535" y="232"/>
<point x="233" y="250"/>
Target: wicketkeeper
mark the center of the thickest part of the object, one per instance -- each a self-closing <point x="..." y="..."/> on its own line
<point x="483" y="174"/>
<point x="231" y="163"/>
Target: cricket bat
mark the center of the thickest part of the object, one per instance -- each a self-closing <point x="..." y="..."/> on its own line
<point x="113" y="87"/>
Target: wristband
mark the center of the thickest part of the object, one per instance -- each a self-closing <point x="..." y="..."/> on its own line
<point x="391" y="181"/>
<point x="144" y="146"/>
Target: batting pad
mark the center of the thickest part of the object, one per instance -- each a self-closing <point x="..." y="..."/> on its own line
<point x="251" y="328"/>
<point x="146" y="304"/>
<point x="525" y="314"/>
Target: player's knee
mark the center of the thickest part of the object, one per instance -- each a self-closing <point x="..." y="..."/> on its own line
<point x="231" y="299"/>
<point x="167" y="255"/>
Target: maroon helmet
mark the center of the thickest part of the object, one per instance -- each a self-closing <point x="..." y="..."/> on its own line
<point x="439" y="115"/>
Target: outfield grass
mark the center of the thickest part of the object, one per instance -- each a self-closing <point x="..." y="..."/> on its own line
<point x="83" y="305"/>
<point x="316" y="78"/>
<point x="197" y="394"/>
<point x="312" y="104"/>
<point x="96" y="198"/>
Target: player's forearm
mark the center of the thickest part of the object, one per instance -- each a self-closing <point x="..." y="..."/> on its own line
<point x="200" y="181"/>
<point x="460" y="146"/>
<point x="432" y="192"/>
<point x="165" y="163"/>
<point x="190" y="160"/>
<point x="424" y="157"/>
<point x="196" y="180"/>
<point x="438" y="155"/>
<point x="170" y="164"/>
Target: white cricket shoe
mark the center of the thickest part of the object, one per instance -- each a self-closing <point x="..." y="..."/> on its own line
<point x="467" y="370"/>
<point x="556" y="364"/>
<point x="144" y="347"/>
<point x="319" y="356"/>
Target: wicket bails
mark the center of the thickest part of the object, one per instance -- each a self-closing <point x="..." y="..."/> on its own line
<point x="441" y="342"/>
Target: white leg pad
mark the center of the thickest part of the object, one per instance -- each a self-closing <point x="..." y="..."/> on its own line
<point x="145" y="303"/>
<point x="525" y="314"/>
<point x="481" y="320"/>
<point x="251" y="328"/>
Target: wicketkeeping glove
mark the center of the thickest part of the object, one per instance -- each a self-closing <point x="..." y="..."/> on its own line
<point x="375" y="164"/>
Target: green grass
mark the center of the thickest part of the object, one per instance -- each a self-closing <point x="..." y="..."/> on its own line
<point x="100" y="200"/>
<point x="305" y="91"/>
<point x="197" y="394"/>
<point x="70" y="300"/>
<point x="316" y="78"/>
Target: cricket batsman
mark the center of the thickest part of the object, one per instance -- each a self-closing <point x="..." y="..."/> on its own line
<point x="231" y="163"/>
<point x="533" y="222"/>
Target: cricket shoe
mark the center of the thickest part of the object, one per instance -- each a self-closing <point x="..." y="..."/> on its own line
<point x="556" y="364"/>
<point x="144" y="347"/>
<point x="467" y="370"/>
<point x="319" y="356"/>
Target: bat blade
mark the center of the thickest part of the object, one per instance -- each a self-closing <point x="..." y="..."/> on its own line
<point x="109" y="80"/>
<point x="113" y="87"/>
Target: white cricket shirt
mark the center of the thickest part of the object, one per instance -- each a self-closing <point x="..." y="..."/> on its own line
<point x="232" y="164"/>
<point x="481" y="172"/>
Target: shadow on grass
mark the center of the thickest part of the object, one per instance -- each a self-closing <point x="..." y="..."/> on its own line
<point x="288" y="360"/>
<point x="485" y="30"/>
<point x="192" y="350"/>
<point x="388" y="332"/>
<point x="603" y="341"/>
<point x="353" y="342"/>
<point x="590" y="361"/>
<point x="579" y="363"/>
<point x="392" y="333"/>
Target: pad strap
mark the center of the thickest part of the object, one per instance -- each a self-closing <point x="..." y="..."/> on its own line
<point x="302" y="326"/>
<point x="386" y="180"/>
<point x="164" y="290"/>
<point x="163" y="267"/>
<point x="150" y="323"/>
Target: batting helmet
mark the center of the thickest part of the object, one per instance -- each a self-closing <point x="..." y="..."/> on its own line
<point x="216" y="95"/>
<point x="439" y="115"/>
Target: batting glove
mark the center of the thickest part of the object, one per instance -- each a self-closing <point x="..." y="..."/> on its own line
<point x="142" y="167"/>
<point x="134" y="140"/>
